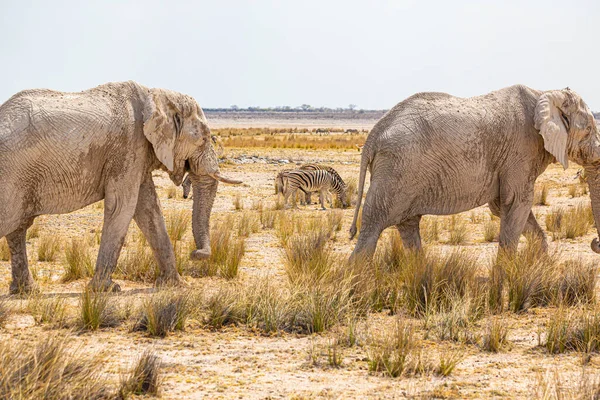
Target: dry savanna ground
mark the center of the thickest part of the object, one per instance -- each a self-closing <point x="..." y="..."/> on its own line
<point x="277" y="313"/>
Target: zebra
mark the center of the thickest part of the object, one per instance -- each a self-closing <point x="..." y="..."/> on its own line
<point x="314" y="180"/>
<point x="308" y="167"/>
<point x="187" y="186"/>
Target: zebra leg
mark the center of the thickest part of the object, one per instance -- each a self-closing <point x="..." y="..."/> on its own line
<point x="322" y="199"/>
<point x="307" y="197"/>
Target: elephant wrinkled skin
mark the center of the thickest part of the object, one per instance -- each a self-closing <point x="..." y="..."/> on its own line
<point x="60" y="152"/>
<point x="438" y="154"/>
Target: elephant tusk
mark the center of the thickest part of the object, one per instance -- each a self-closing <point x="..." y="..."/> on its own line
<point x="596" y="245"/>
<point x="223" y="179"/>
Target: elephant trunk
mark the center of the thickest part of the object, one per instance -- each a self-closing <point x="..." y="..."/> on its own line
<point x="205" y="189"/>
<point x="593" y="179"/>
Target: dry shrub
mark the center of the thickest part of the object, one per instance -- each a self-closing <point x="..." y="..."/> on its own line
<point x="48" y="246"/>
<point x="4" y="250"/>
<point x="430" y="229"/>
<point x="291" y="141"/>
<point x="52" y="310"/>
<point x="4" y="311"/>
<point x="238" y="202"/>
<point x="266" y="306"/>
<point x="456" y="320"/>
<point x="165" y="312"/>
<point x="573" y="331"/>
<point x="550" y="385"/>
<point x="570" y="223"/>
<point x="352" y="190"/>
<point x="138" y="264"/>
<point x="540" y="195"/>
<point x="248" y="223"/>
<point x="530" y="275"/>
<point x="33" y="231"/>
<point x="78" y="261"/>
<point x="144" y="378"/>
<point x="97" y="310"/>
<point x="457" y="230"/>
<point x="495" y="335"/>
<point x="171" y="192"/>
<point x="226" y="253"/>
<point x="223" y="308"/>
<point x="45" y="369"/>
<point x="178" y="222"/>
<point x="576" y="282"/>
<point x="389" y="353"/>
<point x="335" y="218"/>
<point x="268" y="218"/>
<point x="491" y="230"/>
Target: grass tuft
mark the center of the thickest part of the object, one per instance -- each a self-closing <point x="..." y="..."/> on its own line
<point x="78" y="261"/>
<point x="178" y="222"/>
<point x="144" y="378"/>
<point x="48" y="246"/>
<point x="97" y="310"/>
<point x="164" y="312"/>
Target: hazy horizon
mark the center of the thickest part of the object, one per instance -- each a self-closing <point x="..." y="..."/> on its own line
<point x="330" y="54"/>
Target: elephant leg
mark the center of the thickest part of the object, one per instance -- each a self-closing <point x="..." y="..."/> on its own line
<point x="532" y="227"/>
<point x="119" y="207"/>
<point x="374" y="221"/>
<point x="149" y="218"/>
<point x="410" y="234"/>
<point x="512" y="222"/>
<point x="22" y="280"/>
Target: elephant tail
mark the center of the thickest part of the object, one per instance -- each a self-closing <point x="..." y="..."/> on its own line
<point x="364" y="164"/>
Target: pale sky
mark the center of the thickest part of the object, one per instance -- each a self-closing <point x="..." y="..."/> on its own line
<point x="324" y="53"/>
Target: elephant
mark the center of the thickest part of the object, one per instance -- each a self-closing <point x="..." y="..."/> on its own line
<point x="62" y="151"/>
<point x="434" y="153"/>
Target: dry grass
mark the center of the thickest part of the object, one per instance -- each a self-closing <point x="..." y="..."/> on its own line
<point x="4" y="250"/>
<point x="570" y="223"/>
<point x="491" y="230"/>
<point x="171" y="192"/>
<point x="268" y="218"/>
<point x="458" y="230"/>
<point x="46" y="369"/>
<point x="293" y="141"/>
<point x="48" y="247"/>
<point x="226" y="253"/>
<point x="50" y="310"/>
<point x="540" y="195"/>
<point x="164" y="312"/>
<point x="238" y="202"/>
<point x="430" y="229"/>
<point x="494" y="338"/>
<point x="178" y="222"/>
<point x="138" y="264"/>
<point x="78" y="261"/>
<point x="97" y="310"/>
<point x="4" y="311"/>
<point x="248" y="223"/>
<point x="33" y="231"/>
<point x="144" y="378"/>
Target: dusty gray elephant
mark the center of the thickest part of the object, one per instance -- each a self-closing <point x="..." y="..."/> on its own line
<point x="60" y="152"/>
<point x="438" y="154"/>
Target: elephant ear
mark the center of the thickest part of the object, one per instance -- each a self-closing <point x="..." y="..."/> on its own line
<point x="158" y="131"/>
<point x="549" y="120"/>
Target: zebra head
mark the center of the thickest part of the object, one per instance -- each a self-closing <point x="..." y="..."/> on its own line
<point x="186" y="185"/>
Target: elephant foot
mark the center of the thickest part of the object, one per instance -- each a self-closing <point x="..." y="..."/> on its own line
<point x="108" y="285"/>
<point x="170" y="280"/>
<point x="200" y="254"/>
<point x="23" y="288"/>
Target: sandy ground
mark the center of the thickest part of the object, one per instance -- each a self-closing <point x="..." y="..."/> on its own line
<point x="236" y="363"/>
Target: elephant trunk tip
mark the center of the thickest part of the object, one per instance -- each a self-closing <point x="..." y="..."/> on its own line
<point x="596" y="245"/>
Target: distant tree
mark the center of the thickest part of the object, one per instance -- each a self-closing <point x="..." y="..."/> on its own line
<point x="351" y="107"/>
<point x="234" y="107"/>
<point x="305" y="107"/>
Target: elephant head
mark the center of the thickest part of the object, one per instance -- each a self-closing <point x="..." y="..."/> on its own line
<point x="177" y="129"/>
<point x="569" y="131"/>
